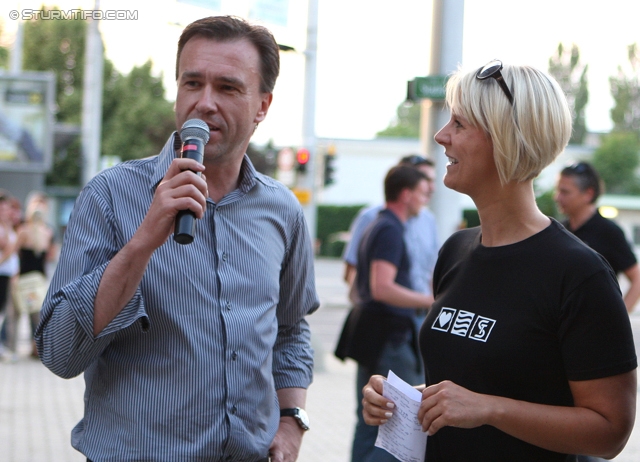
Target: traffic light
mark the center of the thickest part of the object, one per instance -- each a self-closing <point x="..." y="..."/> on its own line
<point x="329" y="167"/>
<point x="302" y="158"/>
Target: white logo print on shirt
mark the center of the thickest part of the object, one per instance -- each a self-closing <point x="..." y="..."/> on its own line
<point x="465" y="324"/>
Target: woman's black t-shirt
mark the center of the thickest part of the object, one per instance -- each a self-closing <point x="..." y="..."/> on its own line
<point x="520" y="321"/>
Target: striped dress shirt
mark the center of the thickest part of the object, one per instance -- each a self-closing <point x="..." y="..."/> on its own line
<point x="188" y="371"/>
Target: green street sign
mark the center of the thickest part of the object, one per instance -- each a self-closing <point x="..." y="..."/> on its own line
<point x="429" y="87"/>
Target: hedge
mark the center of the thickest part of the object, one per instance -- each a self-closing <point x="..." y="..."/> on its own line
<point x="333" y="223"/>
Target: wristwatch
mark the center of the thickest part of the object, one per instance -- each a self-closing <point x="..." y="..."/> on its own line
<point x="297" y="413"/>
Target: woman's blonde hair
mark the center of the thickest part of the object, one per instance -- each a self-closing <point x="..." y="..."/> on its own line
<point x="528" y="135"/>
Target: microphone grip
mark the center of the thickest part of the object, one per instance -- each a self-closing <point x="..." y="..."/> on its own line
<point x="185" y="226"/>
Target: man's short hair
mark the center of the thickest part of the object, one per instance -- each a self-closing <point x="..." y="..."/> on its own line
<point x="416" y="160"/>
<point x="399" y="178"/>
<point x="231" y="28"/>
<point x="585" y="177"/>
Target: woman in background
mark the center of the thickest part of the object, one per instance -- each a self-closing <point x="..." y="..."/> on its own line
<point x="9" y="266"/>
<point x="35" y="247"/>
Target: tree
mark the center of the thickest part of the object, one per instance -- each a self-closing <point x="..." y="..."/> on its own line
<point x="136" y="117"/>
<point x="138" y="121"/>
<point x="566" y="68"/>
<point x="58" y="46"/>
<point x="625" y="90"/>
<point x="616" y="160"/>
<point x="4" y="54"/>
<point x="406" y="123"/>
<point x="547" y="204"/>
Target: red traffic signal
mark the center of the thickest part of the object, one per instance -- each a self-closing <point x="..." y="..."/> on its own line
<point x="303" y="156"/>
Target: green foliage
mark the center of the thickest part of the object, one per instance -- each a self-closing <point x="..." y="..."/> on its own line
<point x="66" y="169"/>
<point x="67" y="166"/>
<point x="4" y="58"/>
<point x="547" y="205"/>
<point x="4" y="53"/>
<point x="58" y="46"/>
<point x="625" y="89"/>
<point x="470" y="218"/>
<point x="406" y="124"/>
<point x="136" y="119"/>
<point x="565" y="67"/>
<point x="616" y="160"/>
<point x="331" y="221"/>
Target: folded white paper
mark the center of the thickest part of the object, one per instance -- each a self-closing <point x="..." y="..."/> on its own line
<point x="402" y="435"/>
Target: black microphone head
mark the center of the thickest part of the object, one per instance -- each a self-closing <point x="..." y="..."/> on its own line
<point x="195" y="128"/>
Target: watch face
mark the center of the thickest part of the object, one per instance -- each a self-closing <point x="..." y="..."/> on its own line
<point x="303" y="419"/>
<point x="297" y="413"/>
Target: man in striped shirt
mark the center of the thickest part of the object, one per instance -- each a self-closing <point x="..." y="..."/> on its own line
<point x="189" y="351"/>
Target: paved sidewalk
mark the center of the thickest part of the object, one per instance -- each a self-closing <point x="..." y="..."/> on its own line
<point x="38" y="409"/>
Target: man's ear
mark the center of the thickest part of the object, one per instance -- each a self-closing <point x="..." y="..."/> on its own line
<point x="264" y="107"/>
<point x="405" y="195"/>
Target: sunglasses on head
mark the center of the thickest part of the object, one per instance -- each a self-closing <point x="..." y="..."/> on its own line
<point x="416" y="160"/>
<point x="492" y="70"/>
<point x="579" y="168"/>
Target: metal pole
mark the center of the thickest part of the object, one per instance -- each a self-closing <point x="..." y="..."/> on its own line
<point x="15" y="64"/>
<point x="92" y="100"/>
<point x="309" y="181"/>
<point x="446" y="55"/>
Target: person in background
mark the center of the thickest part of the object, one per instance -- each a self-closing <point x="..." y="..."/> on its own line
<point x="528" y="349"/>
<point x="196" y="351"/>
<point x="577" y="192"/>
<point x="36" y="247"/>
<point x="421" y="235"/>
<point x="9" y="267"/>
<point x="380" y="333"/>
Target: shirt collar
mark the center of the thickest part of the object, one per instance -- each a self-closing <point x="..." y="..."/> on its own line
<point x="171" y="149"/>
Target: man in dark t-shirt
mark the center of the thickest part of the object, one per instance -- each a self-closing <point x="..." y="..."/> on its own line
<point x="577" y="191"/>
<point x="380" y="333"/>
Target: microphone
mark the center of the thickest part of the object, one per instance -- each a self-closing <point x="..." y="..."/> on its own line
<point x="194" y="135"/>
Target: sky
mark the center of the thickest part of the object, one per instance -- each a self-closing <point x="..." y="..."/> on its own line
<point x="368" y="50"/>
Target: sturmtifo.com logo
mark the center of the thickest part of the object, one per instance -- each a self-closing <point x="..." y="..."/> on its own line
<point x="96" y="15"/>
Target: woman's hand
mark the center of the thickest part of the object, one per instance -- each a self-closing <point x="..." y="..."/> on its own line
<point x="376" y="409"/>
<point x="447" y="404"/>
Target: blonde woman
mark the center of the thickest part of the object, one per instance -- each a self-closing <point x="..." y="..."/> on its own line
<point x="528" y="349"/>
